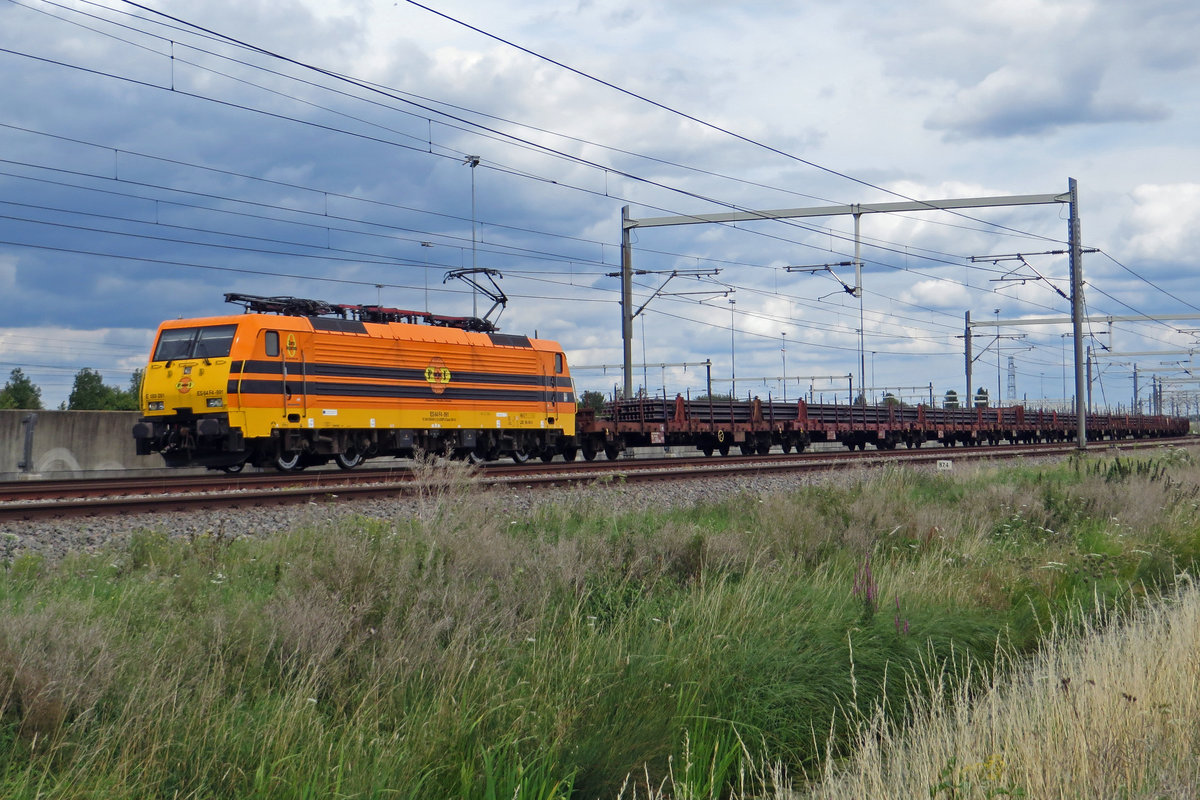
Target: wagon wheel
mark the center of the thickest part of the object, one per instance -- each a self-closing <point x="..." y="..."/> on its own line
<point x="569" y="453"/>
<point x="763" y="448"/>
<point x="787" y="446"/>
<point x="349" y="459"/>
<point x="547" y="456"/>
<point x="611" y="452"/>
<point x="233" y="469"/>
<point x="707" y="449"/>
<point x="747" y="448"/>
<point x="288" y="462"/>
<point x="589" y="450"/>
<point x="723" y="448"/>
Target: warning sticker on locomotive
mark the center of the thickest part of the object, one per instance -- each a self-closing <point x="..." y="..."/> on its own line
<point x="437" y="375"/>
<point x="291" y="346"/>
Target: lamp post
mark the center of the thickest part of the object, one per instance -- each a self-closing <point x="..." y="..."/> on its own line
<point x="999" y="390"/>
<point x="732" y="355"/>
<point x="1064" y="365"/>
<point x="872" y="370"/>
<point x="473" y="162"/>
<point x="425" y="269"/>
<point x="783" y="351"/>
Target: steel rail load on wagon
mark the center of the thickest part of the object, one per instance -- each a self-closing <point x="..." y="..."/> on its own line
<point x="295" y="382"/>
<point x="752" y="426"/>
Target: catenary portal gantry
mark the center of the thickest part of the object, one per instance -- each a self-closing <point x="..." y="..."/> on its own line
<point x="1070" y="197"/>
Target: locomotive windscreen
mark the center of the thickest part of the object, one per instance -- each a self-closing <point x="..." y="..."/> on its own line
<point x="209" y="341"/>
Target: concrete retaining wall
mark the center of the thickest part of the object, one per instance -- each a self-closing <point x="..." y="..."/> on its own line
<point x="69" y="444"/>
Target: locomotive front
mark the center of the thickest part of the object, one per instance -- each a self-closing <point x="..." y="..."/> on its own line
<point x="185" y="415"/>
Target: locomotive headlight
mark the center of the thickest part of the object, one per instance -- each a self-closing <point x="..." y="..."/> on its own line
<point x="157" y="405"/>
<point x="215" y="402"/>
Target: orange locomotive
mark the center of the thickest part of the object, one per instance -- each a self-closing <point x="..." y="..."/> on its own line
<point x="297" y="382"/>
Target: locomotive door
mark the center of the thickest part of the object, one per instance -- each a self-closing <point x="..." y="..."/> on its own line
<point x="551" y="392"/>
<point x="283" y="348"/>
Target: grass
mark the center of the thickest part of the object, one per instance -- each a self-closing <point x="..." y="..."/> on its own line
<point x="1109" y="713"/>
<point x="471" y="651"/>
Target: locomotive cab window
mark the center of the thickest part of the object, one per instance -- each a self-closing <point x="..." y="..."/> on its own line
<point x="558" y="363"/>
<point x="271" y="342"/>
<point x="209" y="341"/>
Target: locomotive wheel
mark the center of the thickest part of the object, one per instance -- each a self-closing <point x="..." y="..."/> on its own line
<point x="233" y="469"/>
<point x="520" y="456"/>
<point x="288" y="462"/>
<point x="349" y="459"/>
<point x="569" y="453"/>
<point x="547" y="456"/>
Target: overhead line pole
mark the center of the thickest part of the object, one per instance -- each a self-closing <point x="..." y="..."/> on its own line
<point x="1076" y="261"/>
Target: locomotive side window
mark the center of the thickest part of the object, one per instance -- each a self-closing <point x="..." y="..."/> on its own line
<point x="558" y="363"/>
<point x="271" y="342"/>
<point x="210" y="341"/>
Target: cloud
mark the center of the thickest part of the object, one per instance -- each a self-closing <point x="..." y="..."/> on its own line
<point x="937" y="294"/>
<point x="1165" y="223"/>
<point x="1018" y="101"/>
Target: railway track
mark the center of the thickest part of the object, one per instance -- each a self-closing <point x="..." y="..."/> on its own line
<point x="168" y="493"/>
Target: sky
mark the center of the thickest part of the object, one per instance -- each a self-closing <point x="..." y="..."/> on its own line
<point x="156" y="155"/>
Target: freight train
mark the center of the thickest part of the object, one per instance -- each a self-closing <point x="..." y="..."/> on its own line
<point x="293" y="383"/>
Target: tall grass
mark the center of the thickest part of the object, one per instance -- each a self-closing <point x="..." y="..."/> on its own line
<point x="1109" y="713"/>
<point x="472" y="650"/>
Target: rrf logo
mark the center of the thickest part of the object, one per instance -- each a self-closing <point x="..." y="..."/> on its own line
<point x="437" y="375"/>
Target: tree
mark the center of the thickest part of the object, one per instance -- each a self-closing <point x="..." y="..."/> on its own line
<point x="90" y="394"/>
<point x="592" y="399"/>
<point x="951" y="399"/>
<point x="20" y="392"/>
<point x="981" y="397"/>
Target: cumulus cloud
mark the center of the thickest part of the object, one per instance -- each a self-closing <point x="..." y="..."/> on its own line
<point x="1018" y="101"/>
<point x="1166" y="219"/>
<point x="935" y="293"/>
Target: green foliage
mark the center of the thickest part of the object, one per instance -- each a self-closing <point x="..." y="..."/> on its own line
<point x="985" y="779"/>
<point x="89" y="393"/>
<point x="20" y="392"/>
<point x="472" y="651"/>
<point x="592" y="399"/>
<point x="951" y="400"/>
<point x="981" y="398"/>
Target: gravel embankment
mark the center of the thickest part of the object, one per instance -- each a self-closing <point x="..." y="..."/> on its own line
<point x="56" y="538"/>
